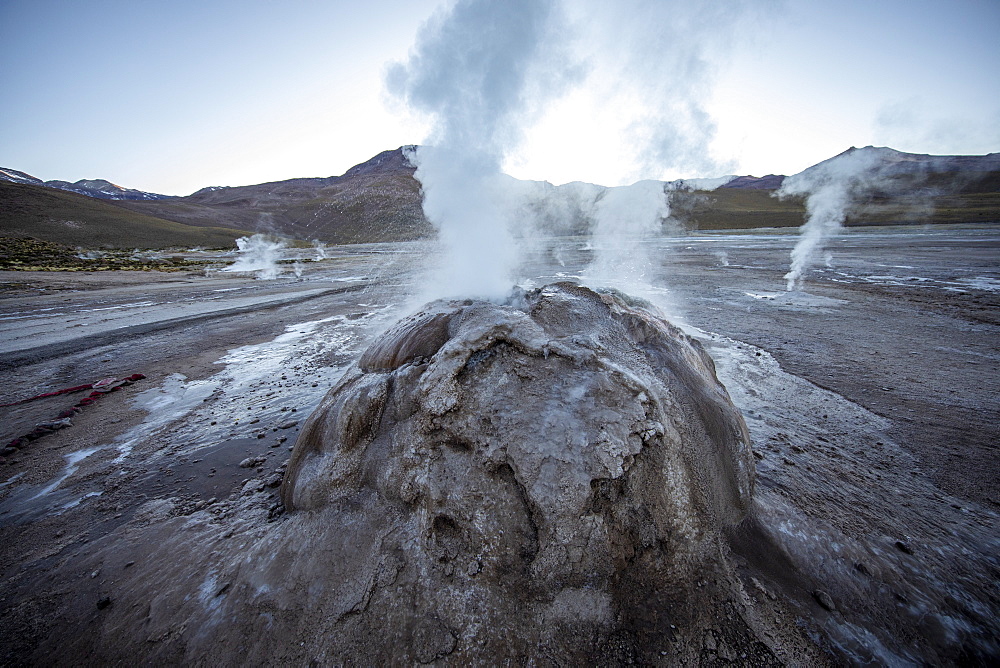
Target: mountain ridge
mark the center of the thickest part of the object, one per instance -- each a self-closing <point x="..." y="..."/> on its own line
<point x="96" y="188"/>
<point x="380" y="200"/>
<point x="397" y="160"/>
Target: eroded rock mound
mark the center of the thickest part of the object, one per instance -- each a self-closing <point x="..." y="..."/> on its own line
<point x="548" y="478"/>
<point x="546" y="482"/>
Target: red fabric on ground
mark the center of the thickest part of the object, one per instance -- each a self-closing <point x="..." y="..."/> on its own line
<point x="100" y="388"/>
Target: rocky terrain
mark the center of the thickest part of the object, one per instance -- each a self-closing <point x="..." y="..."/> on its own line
<point x="196" y="514"/>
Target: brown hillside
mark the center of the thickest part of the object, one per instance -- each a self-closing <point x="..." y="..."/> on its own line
<point x="68" y="218"/>
<point x="378" y="200"/>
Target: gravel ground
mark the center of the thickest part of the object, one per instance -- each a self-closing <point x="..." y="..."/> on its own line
<point x="872" y="398"/>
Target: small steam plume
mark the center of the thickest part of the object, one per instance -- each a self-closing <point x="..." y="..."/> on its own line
<point x="832" y="189"/>
<point x="479" y="69"/>
<point x="258" y="254"/>
<point x="625" y="218"/>
<point x="320" y="250"/>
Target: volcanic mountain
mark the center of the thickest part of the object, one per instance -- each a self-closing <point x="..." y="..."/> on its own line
<point x="380" y="200"/>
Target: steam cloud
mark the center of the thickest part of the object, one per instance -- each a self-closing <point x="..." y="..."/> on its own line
<point x="485" y="71"/>
<point x="478" y="69"/>
<point x="654" y="62"/>
<point x="831" y="189"/>
<point x="625" y="217"/>
<point x="320" y="250"/>
<point x="258" y="254"/>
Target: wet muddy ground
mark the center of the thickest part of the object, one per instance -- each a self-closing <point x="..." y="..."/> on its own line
<point x="872" y="398"/>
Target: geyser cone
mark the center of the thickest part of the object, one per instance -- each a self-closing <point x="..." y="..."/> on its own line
<point x="551" y="474"/>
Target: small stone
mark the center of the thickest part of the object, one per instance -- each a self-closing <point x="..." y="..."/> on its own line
<point x="273" y="481"/>
<point x="252" y="487"/>
<point x="129" y="564"/>
<point x="104" y="603"/>
<point x="824" y="600"/>
<point x="262" y="434"/>
<point x="904" y="547"/>
<point x="288" y="425"/>
<point x="251" y="462"/>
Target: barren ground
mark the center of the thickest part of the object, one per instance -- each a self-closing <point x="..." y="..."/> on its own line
<point x="872" y="398"/>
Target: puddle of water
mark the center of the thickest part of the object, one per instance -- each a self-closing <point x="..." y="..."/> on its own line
<point x="28" y="502"/>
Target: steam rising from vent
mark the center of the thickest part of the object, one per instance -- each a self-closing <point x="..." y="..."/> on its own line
<point x="258" y="254"/>
<point x="478" y="70"/>
<point x="831" y="188"/>
<point x="624" y="218"/>
<point x="320" y="250"/>
<point x="487" y="72"/>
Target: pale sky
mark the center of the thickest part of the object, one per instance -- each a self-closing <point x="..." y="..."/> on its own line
<point x="173" y="97"/>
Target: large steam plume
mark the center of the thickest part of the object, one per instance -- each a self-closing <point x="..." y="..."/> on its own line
<point x="479" y="70"/>
<point x="486" y="71"/>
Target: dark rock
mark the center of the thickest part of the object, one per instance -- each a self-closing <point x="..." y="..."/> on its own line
<point x="824" y="600"/>
<point x="251" y="462"/>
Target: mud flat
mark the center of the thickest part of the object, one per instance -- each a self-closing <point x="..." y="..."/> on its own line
<point x="870" y="398"/>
